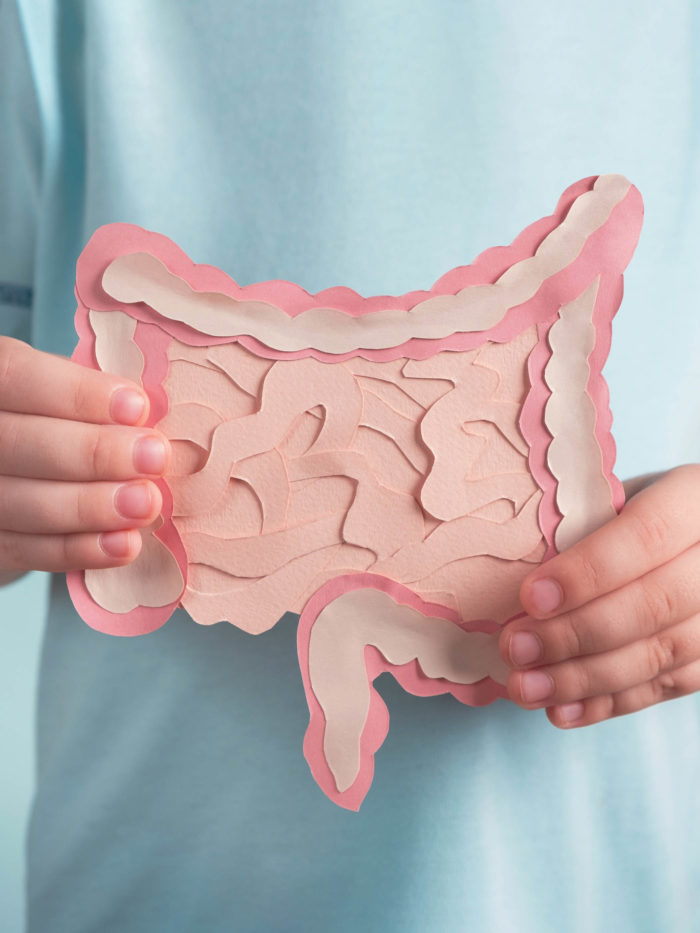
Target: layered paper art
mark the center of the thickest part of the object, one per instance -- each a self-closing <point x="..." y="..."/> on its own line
<point x="390" y="468"/>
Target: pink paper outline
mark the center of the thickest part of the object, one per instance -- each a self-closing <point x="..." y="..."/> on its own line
<point x="622" y="228"/>
<point x="143" y="619"/>
<point x="114" y="240"/>
<point x="409" y="676"/>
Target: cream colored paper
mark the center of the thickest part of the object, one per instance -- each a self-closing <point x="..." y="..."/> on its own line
<point x="136" y="277"/>
<point x="337" y="664"/>
<point x="584" y="497"/>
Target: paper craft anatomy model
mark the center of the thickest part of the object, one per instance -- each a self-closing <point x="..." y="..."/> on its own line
<point x="390" y="468"/>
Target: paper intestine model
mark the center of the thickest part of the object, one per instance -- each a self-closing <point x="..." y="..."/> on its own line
<point x="390" y="467"/>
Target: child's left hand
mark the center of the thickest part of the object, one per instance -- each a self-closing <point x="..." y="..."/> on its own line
<point x="614" y="622"/>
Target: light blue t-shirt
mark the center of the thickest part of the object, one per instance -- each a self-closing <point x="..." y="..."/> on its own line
<point x="377" y="144"/>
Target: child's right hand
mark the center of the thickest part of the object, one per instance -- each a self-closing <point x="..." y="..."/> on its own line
<point x="74" y="466"/>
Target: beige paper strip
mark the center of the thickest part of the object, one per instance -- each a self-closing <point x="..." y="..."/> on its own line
<point x="137" y="277"/>
<point x="337" y="665"/>
<point x="153" y="579"/>
<point x="584" y="496"/>
<point x="116" y="350"/>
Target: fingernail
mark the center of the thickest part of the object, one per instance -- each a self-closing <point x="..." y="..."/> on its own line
<point x="536" y="686"/>
<point x="150" y="455"/>
<point x="127" y="406"/>
<point x="570" y="712"/>
<point x="525" y="648"/>
<point x="134" y="500"/>
<point x="116" y="543"/>
<point x="546" y="595"/>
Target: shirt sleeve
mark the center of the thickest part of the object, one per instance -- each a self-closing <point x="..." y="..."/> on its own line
<point x="20" y="171"/>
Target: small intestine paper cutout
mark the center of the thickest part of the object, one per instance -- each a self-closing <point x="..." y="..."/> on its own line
<point x="390" y="468"/>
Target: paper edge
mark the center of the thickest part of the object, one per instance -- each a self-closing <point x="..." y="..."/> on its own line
<point x="407" y="675"/>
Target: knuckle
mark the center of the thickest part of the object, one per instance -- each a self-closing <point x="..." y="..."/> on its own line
<point x="661" y="655"/>
<point x="64" y="550"/>
<point x="628" y="701"/>
<point x="607" y="707"/>
<point x="585" y="571"/>
<point x="10" y="438"/>
<point x="572" y="639"/>
<point x="100" y="453"/>
<point x="10" y="557"/>
<point x="71" y="551"/>
<point x="83" y="393"/>
<point x="657" y="603"/>
<point x="665" y="687"/>
<point x="582" y="681"/>
<point x="651" y="530"/>
<point x="84" y="507"/>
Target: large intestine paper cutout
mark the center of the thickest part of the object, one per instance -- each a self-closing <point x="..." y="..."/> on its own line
<point x="388" y="467"/>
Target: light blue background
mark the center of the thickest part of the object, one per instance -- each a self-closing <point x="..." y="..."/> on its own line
<point x="318" y="162"/>
<point x="21" y="622"/>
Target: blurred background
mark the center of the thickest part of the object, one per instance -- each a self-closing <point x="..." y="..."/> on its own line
<point x="21" y="623"/>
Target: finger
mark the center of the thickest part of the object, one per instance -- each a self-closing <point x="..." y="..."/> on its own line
<point x="655" y="601"/>
<point x="656" y="525"/>
<point x="32" y="382"/>
<point x="667" y="686"/>
<point x="48" y="448"/>
<point x="49" y="507"/>
<point x="610" y="671"/>
<point x="61" y="553"/>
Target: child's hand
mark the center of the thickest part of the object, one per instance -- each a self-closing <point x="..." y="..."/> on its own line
<point x="72" y="475"/>
<point x="615" y="621"/>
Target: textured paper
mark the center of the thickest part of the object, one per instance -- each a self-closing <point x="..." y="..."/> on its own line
<point x="388" y="467"/>
<point x="423" y="645"/>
